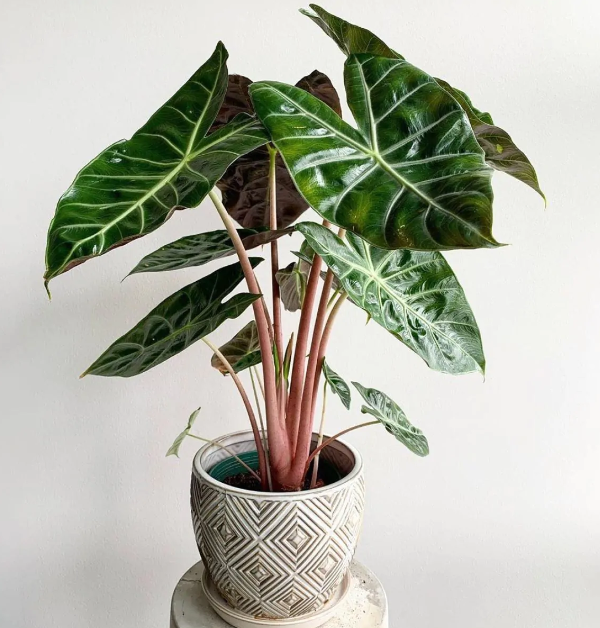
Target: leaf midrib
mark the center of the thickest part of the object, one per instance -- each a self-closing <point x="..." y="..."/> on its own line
<point x="376" y="155"/>
<point x="187" y="157"/>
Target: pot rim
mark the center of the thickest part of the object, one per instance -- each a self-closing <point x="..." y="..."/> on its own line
<point x="198" y="469"/>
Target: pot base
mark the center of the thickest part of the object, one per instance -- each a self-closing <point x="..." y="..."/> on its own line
<point x="365" y="605"/>
<point x="239" y="620"/>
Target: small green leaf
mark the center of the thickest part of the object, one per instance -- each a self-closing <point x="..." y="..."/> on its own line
<point x="196" y="250"/>
<point x="174" y="448"/>
<point x="413" y="294"/>
<point x="292" y="284"/>
<point x="180" y="320"/>
<point x="393" y="419"/>
<point x="337" y="385"/>
<point x="242" y="351"/>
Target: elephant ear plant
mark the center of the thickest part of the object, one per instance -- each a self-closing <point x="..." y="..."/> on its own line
<point x="410" y="178"/>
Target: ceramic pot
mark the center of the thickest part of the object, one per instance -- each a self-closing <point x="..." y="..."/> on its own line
<point x="276" y="555"/>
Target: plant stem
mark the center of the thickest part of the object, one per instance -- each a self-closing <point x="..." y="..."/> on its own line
<point x="277" y="328"/>
<point x="262" y="461"/>
<point x="278" y="442"/>
<point x="298" y="368"/>
<point x="319" y="449"/>
<point x="315" y="470"/>
<point x="263" y="431"/>
<point x="260" y="382"/>
<point x="305" y="427"/>
<point x="212" y="442"/>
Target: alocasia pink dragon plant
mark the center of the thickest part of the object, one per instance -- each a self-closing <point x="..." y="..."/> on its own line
<point x="412" y="178"/>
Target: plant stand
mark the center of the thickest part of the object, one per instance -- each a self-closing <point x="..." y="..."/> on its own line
<point x="365" y="605"/>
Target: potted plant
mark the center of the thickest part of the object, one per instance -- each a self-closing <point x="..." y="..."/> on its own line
<point x="277" y="509"/>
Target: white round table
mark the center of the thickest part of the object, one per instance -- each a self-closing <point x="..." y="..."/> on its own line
<point x="365" y="605"/>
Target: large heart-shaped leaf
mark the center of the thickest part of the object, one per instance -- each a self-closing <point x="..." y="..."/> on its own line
<point x="174" y="448"/>
<point x="180" y="320"/>
<point x="389" y="413"/>
<point x="242" y="351"/>
<point x="337" y="385"/>
<point x="245" y="185"/>
<point x="196" y="250"/>
<point x="500" y="151"/>
<point x="412" y="177"/>
<point x="134" y="186"/>
<point x="413" y="294"/>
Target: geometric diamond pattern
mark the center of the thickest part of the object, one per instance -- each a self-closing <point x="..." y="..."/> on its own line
<point x="274" y="557"/>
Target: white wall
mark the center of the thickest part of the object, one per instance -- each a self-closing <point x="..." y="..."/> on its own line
<point x="500" y="526"/>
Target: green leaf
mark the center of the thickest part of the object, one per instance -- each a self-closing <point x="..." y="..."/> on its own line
<point x="242" y="351"/>
<point x="337" y="385"/>
<point x="412" y="177"/>
<point x="349" y="37"/>
<point x="174" y="448"/>
<point x="500" y="151"/>
<point x="196" y="250"/>
<point x="393" y="418"/>
<point x="244" y="186"/>
<point x="135" y="185"/>
<point x="292" y="284"/>
<point x="414" y="295"/>
<point x="180" y="320"/>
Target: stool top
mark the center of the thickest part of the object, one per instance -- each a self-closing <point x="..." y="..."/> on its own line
<point x="364" y="607"/>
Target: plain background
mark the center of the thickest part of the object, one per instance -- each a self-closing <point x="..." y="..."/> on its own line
<point x="500" y="526"/>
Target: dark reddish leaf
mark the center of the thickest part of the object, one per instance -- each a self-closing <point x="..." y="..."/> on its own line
<point x="245" y="184"/>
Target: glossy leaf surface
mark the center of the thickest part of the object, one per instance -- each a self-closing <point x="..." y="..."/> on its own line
<point x="134" y="186"/>
<point x="413" y="294"/>
<point x="350" y="38"/>
<point x="500" y="151"/>
<point x="174" y="448"/>
<point x="393" y="419"/>
<point x="179" y="321"/>
<point x="196" y="250"/>
<point x="337" y="385"/>
<point x="292" y="284"/>
<point x="242" y="351"/>
<point x="244" y="185"/>
<point x="413" y="176"/>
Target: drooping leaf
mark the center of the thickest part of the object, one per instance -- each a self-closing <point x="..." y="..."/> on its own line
<point x="500" y="151"/>
<point x="350" y="38"/>
<point x="242" y="351"/>
<point x="134" y="186"/>
<point x="245" y="184"/>
<point x="174" y="448"/>
<point x="292" y="284"/>
<point x="412" y="177"/>
<point x="337" y="385"/>
<point x="393" y="419"/>
<point x="180" y="320"/>
<point x="199" y="249"/>
<point x="413" y="294"/>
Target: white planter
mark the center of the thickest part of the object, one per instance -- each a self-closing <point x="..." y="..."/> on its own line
<point x="276" y="555"/>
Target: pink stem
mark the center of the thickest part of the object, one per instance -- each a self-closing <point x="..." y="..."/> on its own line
<point x="278" y="442"/>
<point x="305" y="431"/>
<point x="277" y="327"/>
<point x="296" y="387"/>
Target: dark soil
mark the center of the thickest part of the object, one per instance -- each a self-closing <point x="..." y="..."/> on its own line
<point x="248" y="482"/>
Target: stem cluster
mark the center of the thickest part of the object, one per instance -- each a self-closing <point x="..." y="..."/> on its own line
<point x="284" y="452"/>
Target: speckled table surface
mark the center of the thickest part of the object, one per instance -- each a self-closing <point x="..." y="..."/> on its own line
<point x="365" y="605"/>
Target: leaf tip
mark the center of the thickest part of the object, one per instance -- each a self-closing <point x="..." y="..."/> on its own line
<point x="47" y="289"/>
